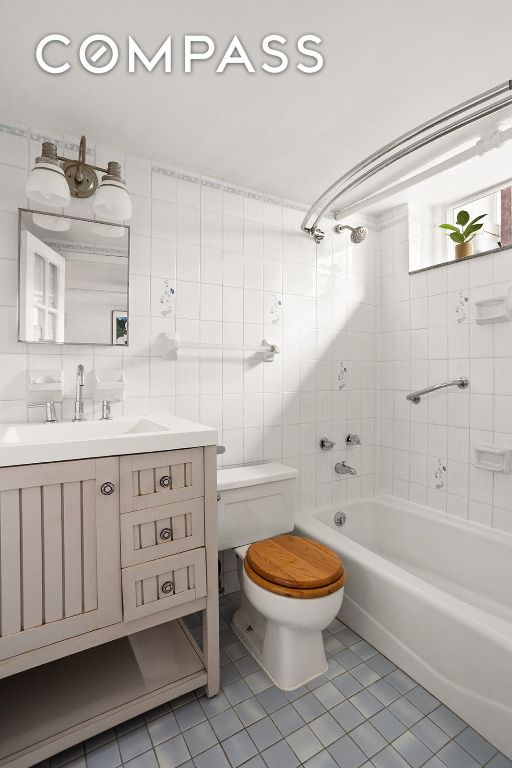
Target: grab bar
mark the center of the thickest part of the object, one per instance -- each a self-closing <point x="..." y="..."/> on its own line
<point x="415" y="397"/>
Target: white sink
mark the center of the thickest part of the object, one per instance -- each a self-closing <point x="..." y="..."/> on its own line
<point x="36" y="443"/>
<point x="81" y="430"/>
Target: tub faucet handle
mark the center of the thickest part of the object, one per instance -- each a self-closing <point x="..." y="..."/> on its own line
<point x="326" y="444"/>
<point x="353" y="439"/>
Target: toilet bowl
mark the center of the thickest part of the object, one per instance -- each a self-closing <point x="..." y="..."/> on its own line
<point x="282" y="625"/>
<point x="291" y="588"/>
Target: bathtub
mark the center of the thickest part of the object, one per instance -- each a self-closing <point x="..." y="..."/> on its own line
<point x="435" y="596"/>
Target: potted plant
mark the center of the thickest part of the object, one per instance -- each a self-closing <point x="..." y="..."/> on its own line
<point x="463" y="234"/>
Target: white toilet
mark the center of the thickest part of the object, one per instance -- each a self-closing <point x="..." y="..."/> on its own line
<point x="291" y="588"/>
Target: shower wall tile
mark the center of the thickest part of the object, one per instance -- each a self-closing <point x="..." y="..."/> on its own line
<point x="428" y="333"/>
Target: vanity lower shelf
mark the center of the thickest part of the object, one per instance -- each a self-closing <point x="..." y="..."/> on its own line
<point x="49" y="708"/>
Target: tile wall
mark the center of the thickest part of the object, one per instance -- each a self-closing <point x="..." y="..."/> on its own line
<point x="428" y="334"/>
<point x="227" y="265"/>
<point x="219" y="264"/>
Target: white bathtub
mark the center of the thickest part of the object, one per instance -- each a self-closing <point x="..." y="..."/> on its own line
<point x="435" y="596"/>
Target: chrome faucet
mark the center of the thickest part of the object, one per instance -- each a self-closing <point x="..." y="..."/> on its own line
<point x="342" y="468"/>
<point x="79" y="397"/>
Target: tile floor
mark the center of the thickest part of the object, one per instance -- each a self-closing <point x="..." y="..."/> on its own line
<point x="363" y="713"/>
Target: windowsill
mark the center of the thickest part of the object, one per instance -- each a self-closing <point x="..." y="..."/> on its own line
<point x="458" y="261"/>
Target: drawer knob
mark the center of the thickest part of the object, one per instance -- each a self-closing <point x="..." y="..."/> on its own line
<point x="108" y="489"/>
<point x="165" y="481"/>
<point x="165" y="534"/>
<point x="167" y="587"/>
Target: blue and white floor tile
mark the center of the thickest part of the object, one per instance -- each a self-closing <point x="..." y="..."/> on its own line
<point x="363" y="713"/>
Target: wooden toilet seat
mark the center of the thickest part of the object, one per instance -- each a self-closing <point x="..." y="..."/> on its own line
<point x="293" y="566"/>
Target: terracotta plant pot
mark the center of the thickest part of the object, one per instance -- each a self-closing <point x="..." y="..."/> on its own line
<point x="463" y="249"/>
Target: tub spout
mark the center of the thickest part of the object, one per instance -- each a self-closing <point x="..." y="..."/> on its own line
<point x="342" y="468"/>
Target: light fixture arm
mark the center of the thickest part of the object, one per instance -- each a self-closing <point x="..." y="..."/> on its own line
<point x="54" y="178"/>
<point x="80" y="175"/>
<point x="82" y="154"/>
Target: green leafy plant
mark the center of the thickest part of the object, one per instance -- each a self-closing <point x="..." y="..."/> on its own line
<point x="466" y="229"/>
<point x="121" y="327"/>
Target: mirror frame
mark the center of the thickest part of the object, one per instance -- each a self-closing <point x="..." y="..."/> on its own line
<point x="21" y="211"/>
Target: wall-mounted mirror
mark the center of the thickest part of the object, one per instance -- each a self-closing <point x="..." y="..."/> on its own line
<point x="73" y="280"/>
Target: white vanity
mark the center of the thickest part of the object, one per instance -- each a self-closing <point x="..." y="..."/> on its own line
<point x="107" y="540"/>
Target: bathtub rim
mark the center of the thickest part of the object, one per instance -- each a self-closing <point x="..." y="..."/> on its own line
<point x="428" y="513"/>
<point x="482" y="621"/>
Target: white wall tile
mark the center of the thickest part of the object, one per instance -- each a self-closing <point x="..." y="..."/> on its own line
<point x="240" y="270"/>
<point x="445" y="342"/>
<point x="188" y="191"/>
<point x="188" y="262"/>
<point x="163" y="184"/>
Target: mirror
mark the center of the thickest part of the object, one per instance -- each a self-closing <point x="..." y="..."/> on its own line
<point x="73" y="280"/>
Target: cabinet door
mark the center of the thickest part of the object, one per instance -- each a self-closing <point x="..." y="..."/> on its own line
<point x="59" y="552"/>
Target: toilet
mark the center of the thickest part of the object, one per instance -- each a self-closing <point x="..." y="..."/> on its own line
<point x="291" y="587"/>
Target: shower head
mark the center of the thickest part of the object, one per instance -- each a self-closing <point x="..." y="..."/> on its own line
<point x="357" y="234"/>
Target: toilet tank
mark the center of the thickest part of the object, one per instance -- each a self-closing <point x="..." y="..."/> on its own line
<point x="255" y="503"/>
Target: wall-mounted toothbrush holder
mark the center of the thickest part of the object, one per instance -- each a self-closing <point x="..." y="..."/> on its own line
<point x="45" y="386"/>
<point x="108" y="386"/>
<point x="494" y="309"/>
<point x="494" y="459"/>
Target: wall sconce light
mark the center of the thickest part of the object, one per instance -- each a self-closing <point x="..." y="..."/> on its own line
<point x="54" y="180"/>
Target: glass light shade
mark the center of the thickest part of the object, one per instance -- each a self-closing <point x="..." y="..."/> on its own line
<point x="112" y="201"/>
<point x="47" y="185"/>
<point x="53" y="223"/>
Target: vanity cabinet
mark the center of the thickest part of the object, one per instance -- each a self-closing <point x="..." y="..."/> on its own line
<point x="59" y="545"/>
<point x="100" y="560"/>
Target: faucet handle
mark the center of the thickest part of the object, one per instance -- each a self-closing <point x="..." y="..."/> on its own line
<point x="51" y="416"/>
<point x="106" y="414"/>
<point x="326" y="444"/>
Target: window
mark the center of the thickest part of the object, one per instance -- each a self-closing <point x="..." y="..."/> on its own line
<point x="42" y="295"/>
<point x="496" y="232"/>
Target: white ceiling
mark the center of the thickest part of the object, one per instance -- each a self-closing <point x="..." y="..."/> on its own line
<point x="390" y="64"/>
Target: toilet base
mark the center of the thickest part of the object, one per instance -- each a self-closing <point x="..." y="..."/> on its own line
<point x="290" y="657"/>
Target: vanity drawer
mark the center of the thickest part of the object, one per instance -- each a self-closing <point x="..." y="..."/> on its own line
<point x="152" y="479"/>
<point x="163" y="583"/>
<point x="147" y="534"/>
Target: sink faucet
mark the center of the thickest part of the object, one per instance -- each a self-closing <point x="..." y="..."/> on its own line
<point x="342" y="468"/>
<point x="79" y="397"/>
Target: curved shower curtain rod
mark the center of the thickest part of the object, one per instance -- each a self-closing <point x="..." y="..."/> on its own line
<point x="359" y="173"/>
